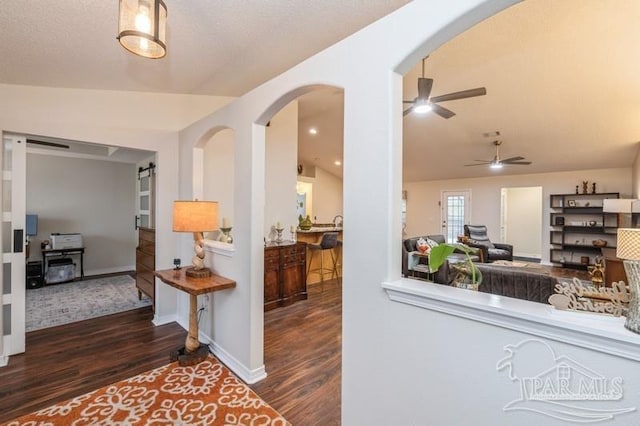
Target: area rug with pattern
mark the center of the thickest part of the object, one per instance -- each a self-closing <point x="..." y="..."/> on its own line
<point x="59" y="304"/>
<point x="203" y="394"/>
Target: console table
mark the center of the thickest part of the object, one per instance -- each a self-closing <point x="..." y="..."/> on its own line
<point x="46" y="253"/>
<point x="193" y="352"/>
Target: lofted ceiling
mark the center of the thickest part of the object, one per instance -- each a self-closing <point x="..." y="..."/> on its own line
<point x="563" y="90"/>
<point x="561" y="76"/>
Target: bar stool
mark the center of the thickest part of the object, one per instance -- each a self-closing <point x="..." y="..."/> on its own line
<point x="329" y="241"/>
<point x="338" y="262"/>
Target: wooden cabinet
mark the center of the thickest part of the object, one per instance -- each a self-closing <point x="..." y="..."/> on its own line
<point x="146" y="262"/>
<point x="284" y="274"/>
<point x="577" y="221"/>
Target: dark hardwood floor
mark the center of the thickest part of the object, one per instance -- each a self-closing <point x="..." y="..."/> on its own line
<point x="69" y="360"/>
<point x="303" y="358"/>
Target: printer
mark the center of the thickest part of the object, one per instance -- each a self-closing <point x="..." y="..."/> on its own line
<point x="66" y="241"/>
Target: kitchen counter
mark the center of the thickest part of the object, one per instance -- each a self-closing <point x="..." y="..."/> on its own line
<point x="313" y="235"/>
<point x="316" y="229"/>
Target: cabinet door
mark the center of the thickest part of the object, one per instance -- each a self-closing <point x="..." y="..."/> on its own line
<point x="271" y="278"/>
<point x="293" y="274"/>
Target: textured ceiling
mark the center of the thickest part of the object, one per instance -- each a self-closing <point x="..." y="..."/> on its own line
<point x="215" y="47"/>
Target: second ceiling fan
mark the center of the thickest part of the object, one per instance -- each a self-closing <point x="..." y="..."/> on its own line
<point x="497" y="162"/>
<point x="423" y="103"/>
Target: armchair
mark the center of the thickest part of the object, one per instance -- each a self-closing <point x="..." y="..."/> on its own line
<point x="477" y="237"/>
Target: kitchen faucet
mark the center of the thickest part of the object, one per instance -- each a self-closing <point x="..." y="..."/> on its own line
<point x="339" y="223"/>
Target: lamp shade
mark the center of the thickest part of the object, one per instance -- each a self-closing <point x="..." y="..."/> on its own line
<point x="617" y="205"/>
<point x="628" y="243"/>
<point x="142" y="27"/>
<point x="195" y="216"/>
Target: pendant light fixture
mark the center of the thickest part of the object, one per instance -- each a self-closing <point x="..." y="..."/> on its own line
<point x="142" y="27"/>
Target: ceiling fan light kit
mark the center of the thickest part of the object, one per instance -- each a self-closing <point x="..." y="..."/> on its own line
<point x="142" y="27"/>
<point x="423" y="103"/>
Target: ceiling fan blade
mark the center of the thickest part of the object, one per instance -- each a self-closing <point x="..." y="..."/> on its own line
<point x="470" y="93"/>
<point x="407" y="111"/>
<point x="478" y="164"/>
<point x="52" y="144"/>
<point x="408" y="102"/>
<point x="424" y="87"/>
<point x="506" y="160"/>
<point x="442" y="112"/>
<point x="518" y="163"/>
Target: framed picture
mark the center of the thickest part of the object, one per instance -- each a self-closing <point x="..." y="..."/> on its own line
<point x="571" y="203"/>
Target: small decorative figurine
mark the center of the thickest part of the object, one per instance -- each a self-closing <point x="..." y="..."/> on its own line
<point x="597" y="272"/>
<point x="585" y="184"/>
<point x="593" y="188"/>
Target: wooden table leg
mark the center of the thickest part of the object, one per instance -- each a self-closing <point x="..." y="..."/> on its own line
<point x="192" y="343"/>
<point x="193" y="352"/>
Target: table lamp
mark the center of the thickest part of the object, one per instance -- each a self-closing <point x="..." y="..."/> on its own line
<point x="197" y="217"/>
<point x="629" y="250"/>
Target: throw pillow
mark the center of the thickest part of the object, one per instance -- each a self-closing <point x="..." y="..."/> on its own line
<point x="486" y="243"/>
<point x="432" y="243"/>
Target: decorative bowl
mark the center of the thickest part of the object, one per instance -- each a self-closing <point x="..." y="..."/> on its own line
<point x="599" y="243"/>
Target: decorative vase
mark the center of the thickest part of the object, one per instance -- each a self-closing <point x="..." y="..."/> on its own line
<point x="306" y="224"/>
<point x="464" y="278"/>
<point x="226" y="236"/>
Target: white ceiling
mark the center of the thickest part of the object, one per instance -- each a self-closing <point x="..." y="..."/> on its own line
<point x="561" y="76"/>
<point x="563" y="89"/>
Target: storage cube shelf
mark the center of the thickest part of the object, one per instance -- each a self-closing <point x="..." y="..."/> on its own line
<point x="577" y="220"/>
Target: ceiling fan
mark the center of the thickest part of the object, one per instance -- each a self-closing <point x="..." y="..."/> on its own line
<point x="423" y="103"/>
<point x="497" y="162"/>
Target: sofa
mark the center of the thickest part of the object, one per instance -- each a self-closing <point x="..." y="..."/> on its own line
<point x="442" y="276"/>
<point x="525" y="283"/>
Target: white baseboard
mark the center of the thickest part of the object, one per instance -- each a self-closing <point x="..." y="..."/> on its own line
<point x="4" y="360"/>
<point x="248" y="376"/>
<point x="102" y="271"/>
<point x="166" y="319"/>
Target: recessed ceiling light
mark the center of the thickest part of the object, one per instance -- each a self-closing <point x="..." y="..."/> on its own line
<point x="337" y="163"/>
<point x="313" y="131"/>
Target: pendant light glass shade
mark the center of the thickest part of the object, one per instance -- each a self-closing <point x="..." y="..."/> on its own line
<point x="142" y="27"/>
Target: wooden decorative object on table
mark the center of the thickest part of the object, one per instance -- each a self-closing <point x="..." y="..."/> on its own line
<point x="576" y="296"/>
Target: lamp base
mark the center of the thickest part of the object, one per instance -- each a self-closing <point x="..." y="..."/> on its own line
<point x="198" y="273"/>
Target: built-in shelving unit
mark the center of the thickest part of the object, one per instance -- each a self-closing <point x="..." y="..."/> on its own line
<point x="577" y="220"/>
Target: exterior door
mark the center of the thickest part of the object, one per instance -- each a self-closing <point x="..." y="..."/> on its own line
<point x="456" y="208"/>
<point x="12" y="306"/>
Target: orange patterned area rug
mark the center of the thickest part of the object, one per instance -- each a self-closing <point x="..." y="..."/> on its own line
<point x="203" y="394"/>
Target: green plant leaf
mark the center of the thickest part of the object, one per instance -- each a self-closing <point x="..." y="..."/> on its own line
<point x="438" y="255"/>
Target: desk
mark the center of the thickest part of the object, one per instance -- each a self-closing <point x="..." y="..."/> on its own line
<point x="61" y="253"/>
<point x="193" y="352"/>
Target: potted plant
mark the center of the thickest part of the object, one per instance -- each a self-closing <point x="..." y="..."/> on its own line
<point x="467" y="273"/>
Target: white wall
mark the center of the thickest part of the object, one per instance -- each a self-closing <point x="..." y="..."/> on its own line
<point x="423" y="211"/>
<point x="280" y="171"/>
<point x="327" y="196"/>
<point x="523" y="220"/>
<point x="94" y="198"/>
<point x="218" y="184"/>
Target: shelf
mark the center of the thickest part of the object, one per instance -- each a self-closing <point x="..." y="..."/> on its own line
<point x="580" y="246"/>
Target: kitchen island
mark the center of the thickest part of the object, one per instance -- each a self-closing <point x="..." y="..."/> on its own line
<point x="314" y="235"/>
